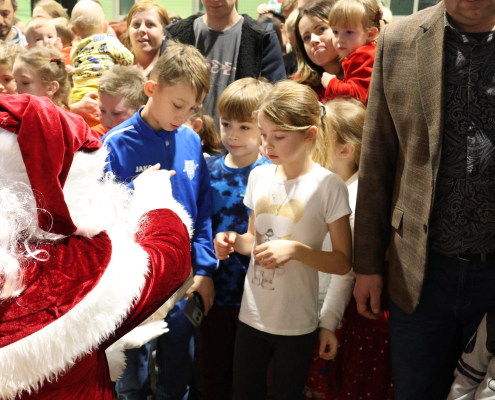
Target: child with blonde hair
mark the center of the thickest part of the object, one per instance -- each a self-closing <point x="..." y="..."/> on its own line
<point x="96" y="51"/>
<point x="355" y="25"/>
<point x="40" y="71"/>
<point x="295" y="203"/>
<point x="40" y="32"/>
<point x="8" y="53"/>
<point x="229" y="176"/>
<point x="66" y="35"/>
<point x="120" y="95"/>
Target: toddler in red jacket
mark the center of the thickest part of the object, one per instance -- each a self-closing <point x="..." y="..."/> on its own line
<point x="355" y="25"/>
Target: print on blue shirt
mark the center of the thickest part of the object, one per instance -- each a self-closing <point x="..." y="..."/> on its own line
<point x="230" y="214"/>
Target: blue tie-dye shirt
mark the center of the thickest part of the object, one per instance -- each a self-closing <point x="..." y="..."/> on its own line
<point x="230" y="214"/>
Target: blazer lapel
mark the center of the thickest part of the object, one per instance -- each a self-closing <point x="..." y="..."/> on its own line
<point x="430" y="65"/>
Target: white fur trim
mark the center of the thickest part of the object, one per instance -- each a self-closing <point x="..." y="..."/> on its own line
<point x="153" y="191"/>
<point x="27" y="363"/>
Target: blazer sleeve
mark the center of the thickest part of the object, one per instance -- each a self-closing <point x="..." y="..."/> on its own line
<point x="357" y="78"/>
<point x="377" y="170"/>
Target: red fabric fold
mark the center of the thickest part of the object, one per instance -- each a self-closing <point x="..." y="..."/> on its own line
<point x="48" y="137"/>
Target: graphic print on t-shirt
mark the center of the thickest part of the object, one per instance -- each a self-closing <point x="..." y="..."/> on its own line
<point x="273" y="222"/>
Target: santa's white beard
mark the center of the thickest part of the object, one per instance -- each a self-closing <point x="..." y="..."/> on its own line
<point x="95" y="201"/>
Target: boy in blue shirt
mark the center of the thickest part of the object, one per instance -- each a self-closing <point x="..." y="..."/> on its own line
<point x="155" y="135"/>
<point x="229" y="177"/>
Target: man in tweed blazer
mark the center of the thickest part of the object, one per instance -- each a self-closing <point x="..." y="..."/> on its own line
<point x="427" y="189"/>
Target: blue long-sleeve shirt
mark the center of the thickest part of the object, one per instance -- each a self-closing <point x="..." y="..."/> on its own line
<point x="134" y="146"/>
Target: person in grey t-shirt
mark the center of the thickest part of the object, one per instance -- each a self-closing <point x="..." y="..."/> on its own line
<point x="222" y="50"/>
<point x="236" y="46"/>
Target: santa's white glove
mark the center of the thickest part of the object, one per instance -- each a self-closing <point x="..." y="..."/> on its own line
<point x="144" y="333"/>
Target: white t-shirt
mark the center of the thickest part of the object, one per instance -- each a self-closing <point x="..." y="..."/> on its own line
<point x="284" y="301"/>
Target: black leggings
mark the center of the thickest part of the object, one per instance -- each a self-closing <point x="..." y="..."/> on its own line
<point x="291" y="360"/>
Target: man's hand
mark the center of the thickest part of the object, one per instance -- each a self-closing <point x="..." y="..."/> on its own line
<point x="87" y="107"/>
<point x="274" y="254"/>
<point x="326" y="78"/>
<point x="224" y="244"/>
<point x="328" y="338"/>
<point x="204" y="286"/>
<point x="367" y="291"/>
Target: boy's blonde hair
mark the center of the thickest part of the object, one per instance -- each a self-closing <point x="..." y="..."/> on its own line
<point x="291" y="106"/>
<point x="352" y="13"/>
<point x="53" y="8"/>
<point x="88" y="18"/>
<point x="126" y="82"/>
<point x="49" y="64"/>
<point x="36" y="23"/>
<point x="64" y="30"/>
<point x="8" y="53"/>
<point x="182" y="62"/>
<point x="241" y="98"/>
<point x="345" y="118"/>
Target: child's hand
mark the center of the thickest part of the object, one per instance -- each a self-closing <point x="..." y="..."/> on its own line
<point x="328" y="339"/>
<point x="224" y="244"/>
<point x="87" y="107"/>
<point x="204" y="286"/>
<point x="326" y="78"/>
<point x="273" y="254"/>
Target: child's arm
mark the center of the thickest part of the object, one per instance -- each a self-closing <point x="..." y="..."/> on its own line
<point x="338" y="261"/>
<point x="356" y="80"/>
<point x="474" y="363"/>
<point x="227" y="242"/>
<point x="202" y="241"/>
<point x="119" y="52"/>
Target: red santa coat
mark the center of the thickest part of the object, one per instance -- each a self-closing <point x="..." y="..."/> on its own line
<point x="86" y="296"/>
<point x="357" y="67"/>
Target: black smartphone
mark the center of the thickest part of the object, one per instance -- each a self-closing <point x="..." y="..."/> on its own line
<point x="194" y="309"/>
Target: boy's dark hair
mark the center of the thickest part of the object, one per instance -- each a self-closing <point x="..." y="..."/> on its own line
<point x="182" y="62"/>
<point x="126" y="82"/>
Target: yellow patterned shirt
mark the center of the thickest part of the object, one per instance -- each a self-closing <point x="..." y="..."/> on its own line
<point x="94" y="55"/>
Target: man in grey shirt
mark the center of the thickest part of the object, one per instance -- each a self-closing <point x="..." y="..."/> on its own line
<point x="236" y="46"/>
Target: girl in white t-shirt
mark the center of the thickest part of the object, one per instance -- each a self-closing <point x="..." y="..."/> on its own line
<point x="294" y="204"/>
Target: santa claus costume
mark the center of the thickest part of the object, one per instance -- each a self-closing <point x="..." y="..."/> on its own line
<point x="83" y="260"/>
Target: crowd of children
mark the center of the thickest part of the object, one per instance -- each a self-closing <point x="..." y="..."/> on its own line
<point x="271" y="195"/>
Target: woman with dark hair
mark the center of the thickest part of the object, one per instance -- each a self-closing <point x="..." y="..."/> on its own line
<point x="314" y="49"/>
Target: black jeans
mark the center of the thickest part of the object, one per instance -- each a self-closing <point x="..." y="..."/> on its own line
<point x="291" y="360"/>
<point x="427" y="343"/>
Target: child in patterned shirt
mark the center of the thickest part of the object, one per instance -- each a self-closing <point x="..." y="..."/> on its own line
<point x="95" y="52"/>
<point x="229" y="177"/>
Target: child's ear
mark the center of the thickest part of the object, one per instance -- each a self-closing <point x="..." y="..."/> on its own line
<point x="372" y="34"/>
<point x="52" y="88"/>
<point x="197" y="125"/>
<point x="347" y="150"/>
<point x="311" y="134"/>
<point x="149" y="88"/>
<point x="74" y="31"/>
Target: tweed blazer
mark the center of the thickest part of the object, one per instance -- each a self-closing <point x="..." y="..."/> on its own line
<point x="401" y="153"/>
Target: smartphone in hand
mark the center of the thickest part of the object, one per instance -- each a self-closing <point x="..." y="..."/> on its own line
<point x="194" y="309"/>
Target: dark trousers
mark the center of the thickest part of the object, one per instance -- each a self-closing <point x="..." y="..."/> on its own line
<point x="216" y="343"/>
<point x="427" y="343"/>
<point x="291" y="360"/>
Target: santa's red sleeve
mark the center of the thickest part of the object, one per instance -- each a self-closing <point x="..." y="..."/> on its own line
<point x="357" y="75"/>
<point x="84" y="297"/>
